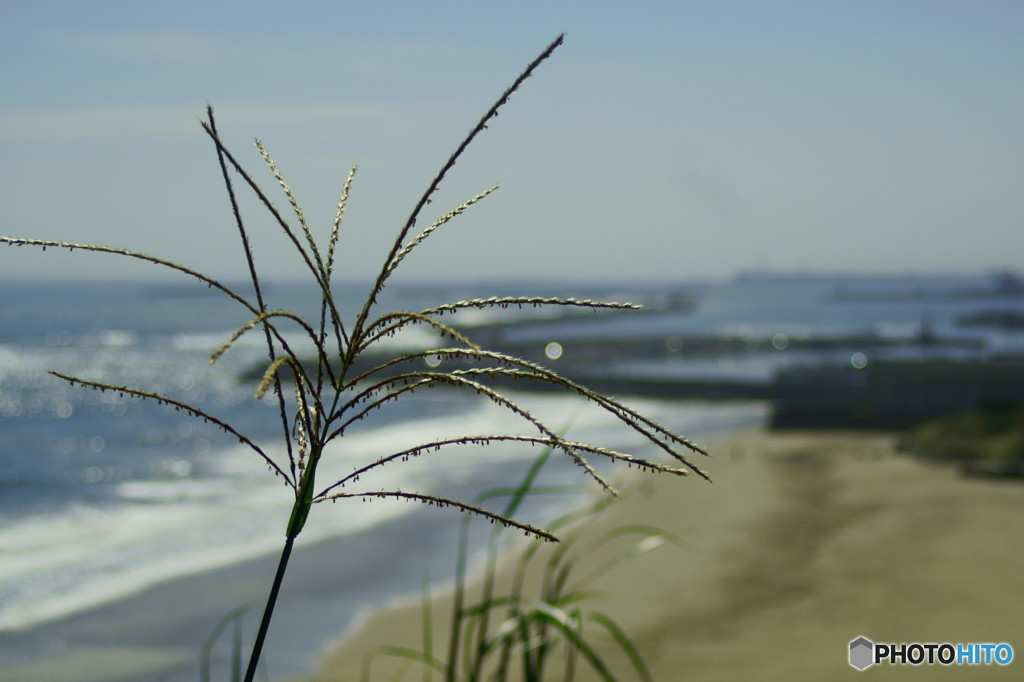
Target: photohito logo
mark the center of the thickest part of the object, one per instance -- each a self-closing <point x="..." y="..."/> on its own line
<point x="864" y="653"/>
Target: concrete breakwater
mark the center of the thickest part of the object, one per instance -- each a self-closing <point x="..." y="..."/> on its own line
<point x="883" y="393"/>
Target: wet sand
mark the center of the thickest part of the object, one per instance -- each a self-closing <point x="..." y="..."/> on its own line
<point x="804" y="542"/>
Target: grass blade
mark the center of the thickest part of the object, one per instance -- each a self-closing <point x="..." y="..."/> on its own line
<point x="560" y="620"/>
<point x="624" y="643"/>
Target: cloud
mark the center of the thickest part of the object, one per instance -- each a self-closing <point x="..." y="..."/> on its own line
<point x="116" y="120"/>
<point x="265" y="115"/>
<point x="170" y="46"/>
<point x="62" y="124"/>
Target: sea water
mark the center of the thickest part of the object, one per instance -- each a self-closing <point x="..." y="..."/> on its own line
<point x="103" y="495"/>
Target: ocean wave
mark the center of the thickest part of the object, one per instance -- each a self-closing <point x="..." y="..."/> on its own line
<point x="151" y="531"/>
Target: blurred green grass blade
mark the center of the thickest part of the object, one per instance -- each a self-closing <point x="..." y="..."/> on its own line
<point x="625" y="643"/>
<point x="653" y="539"/>
<point x="218" y="630"/>
<point x="561" y="621"/>
<point x="428" y="625"/>
<point x="403" y="653"/>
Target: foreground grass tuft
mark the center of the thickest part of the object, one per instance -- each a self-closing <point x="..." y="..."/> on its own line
<point x="533" y="624"/>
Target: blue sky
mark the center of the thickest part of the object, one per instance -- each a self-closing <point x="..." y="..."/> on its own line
<point x="669" y="140"/>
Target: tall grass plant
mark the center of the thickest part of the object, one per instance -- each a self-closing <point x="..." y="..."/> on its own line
<point x="320" y="394"/>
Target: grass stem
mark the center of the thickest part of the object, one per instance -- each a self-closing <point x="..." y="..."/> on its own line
<point x="268" y="611"/>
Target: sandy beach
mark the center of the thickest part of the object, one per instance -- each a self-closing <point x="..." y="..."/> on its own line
<point x="804" y="542"/>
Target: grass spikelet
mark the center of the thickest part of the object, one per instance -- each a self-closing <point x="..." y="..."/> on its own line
<point x="484" y="440"/>
<point x="271" y="372"/>
<point x="263" y="318"/>
<point x="441" y="221"/>
<point x="305" y="419"/>
<point x="265" y="200"/>
<point x="371" y="299"/>
<point x="295" y="207"/>
<point x="127" y="253"/>
<point x="445" y="502"/>
<point x="178" y="405"/>
<point x="520" y="301"/>
<point x="460" y="379"/>
<point x="652" y="431"/>
<point x="381" y="328"/>
<point x="336" y="226"/>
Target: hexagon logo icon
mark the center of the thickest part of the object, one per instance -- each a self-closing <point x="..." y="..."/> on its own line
<point x="862" y="653"/>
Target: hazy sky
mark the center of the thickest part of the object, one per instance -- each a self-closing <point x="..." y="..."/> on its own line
<point x="664" y="139"/>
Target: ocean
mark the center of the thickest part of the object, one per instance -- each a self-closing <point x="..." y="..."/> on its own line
<point x="111" y="505"/>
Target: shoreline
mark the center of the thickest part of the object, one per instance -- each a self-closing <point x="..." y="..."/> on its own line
<point x="158" y="633"/>
<point x="805" y="541"/>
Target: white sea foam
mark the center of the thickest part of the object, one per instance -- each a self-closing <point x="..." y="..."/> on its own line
<point x="56" y="565"/>
<point x="118" y="338"/>
<point x="210" y="341"/>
